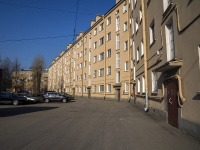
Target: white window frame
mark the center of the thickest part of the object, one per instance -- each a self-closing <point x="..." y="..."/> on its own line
<point x="109" y="36"/>
<point x="137" y="55"/>
<point x="109" y="53"/>
<point x="101" y="88"/>
<point x="118" y="60"/>
<point x="126" y="87"/>
<point x="108" y="88"/>
<point x="95" y="31"/>
<point x="140" y="14"/>
<point x="95" y="45"/>
<point x="126" y="66"/>
<point x="118" y="77"/>
<point x="109" y="70"/>
<point x="125" y="26"/>
<point x="117" y="42"/>
<point x="95" y="74"/>
<point x="138" y="85"/>
<point x="143" y="84"/>
<point x="152" y="32"/>
<point x="101" y="26"/>
<point x="101" y="56"/>
<point x="154" y="78"/>
<point x="101" y="41"/>
<point x="109" y="20"/>
<point x="126" y="45"/>
<point x="117" y="23"/>
<point x="101" y="72"/>
<point x="124" y="8"/>
<point x="142" y="48"/>
<point x="166" y="4"/>
<point x="95" y="59"/>
<point x="170" y="47"/>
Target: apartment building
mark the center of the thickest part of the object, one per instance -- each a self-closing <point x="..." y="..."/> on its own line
<point x="23" y="81"/>
<point x="147" y="51"/>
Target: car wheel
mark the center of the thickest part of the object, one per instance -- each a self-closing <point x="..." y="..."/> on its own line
<point x="15" y="102"/>
<point x="64" y="100"/>
<point x="47" y="100"/>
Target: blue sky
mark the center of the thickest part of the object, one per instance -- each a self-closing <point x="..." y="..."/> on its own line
<point x="27" y="21"/>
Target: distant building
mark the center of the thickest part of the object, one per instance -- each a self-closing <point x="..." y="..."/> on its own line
<point x="22" y="80"/>
<point x="144" y="50"/>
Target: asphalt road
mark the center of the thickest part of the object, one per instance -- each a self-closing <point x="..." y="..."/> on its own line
<point x="87" y="125"/>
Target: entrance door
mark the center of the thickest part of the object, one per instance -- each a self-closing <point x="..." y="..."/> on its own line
<point x="172" y="89"/>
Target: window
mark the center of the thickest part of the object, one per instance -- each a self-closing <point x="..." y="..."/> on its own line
<point x="85" y="51"/>
<point x="80" y="54"/>
<point x="125" y="26"/>
<point x="95" y="59"/>
<point x="109" y="36"/>
<point x="89" y="69"/>
<point x="140" y="13"/>
<point x="132" y="26"/>
<point x="117" y="24"/>
<point x="101" y="27"/>
<point x="95" y="45"/>
<point x="108" y="88"/>
<point x="80" y="77"/>
<point x="101" y="72"/>
<point x="85" y="39"/>
<point x="84" y="89"/>
<point x="125" y="45"/>
<point x="95" y="31"/>
<point x="101" y="88"/>
<point x="90" y="43"/>
<point x="84" y="76"/>
<point x="94" y="88"/>
<point x="142" y="48"/>
<point x="154" y="81"/>
<point x="143" y="84"/>
<point x="118" y="60"/>
<point x="152" y="32"/>
<point x="89" y="59"/>
<point x="118" y="77"/>
<point x="136" y="25"/>
<point x="76" y="67"/>
<point x="80" y="65"/>
<point x="117" y="12"/>
<point x="138" y="85"/>
<point x="109" y="53"/>
<point x="135" y="2"/>
<point x="109" y="70"/>
<point x="95" y="74"/>
<point x="137" y="55"/>
<point x="101" y="56"/>
<point x="109" y="21"/>
<point x="124" y="8"/>
<point x="166" y="4"/>
<point x="101" y="41"/>
<point x="126" y="87"/>
<point x="170" y="41"/>
<point x="85" y="63"/>
<point x="126" y="66"/>
<point x="117" y="42"/>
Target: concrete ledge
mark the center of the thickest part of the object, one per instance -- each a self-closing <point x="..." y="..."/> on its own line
<point x="190" y="128"/>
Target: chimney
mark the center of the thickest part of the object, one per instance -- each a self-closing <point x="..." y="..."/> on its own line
<point x="98" y="17"/>
<point x="92" y="22"/>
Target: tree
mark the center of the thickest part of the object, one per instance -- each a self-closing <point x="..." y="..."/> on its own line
<point x="37" y="69"/>
<point x="6" y="65"/>
<point x="16" y="76"/>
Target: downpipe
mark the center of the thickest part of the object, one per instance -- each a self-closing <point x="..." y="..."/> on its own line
<point x="146" y="108"/>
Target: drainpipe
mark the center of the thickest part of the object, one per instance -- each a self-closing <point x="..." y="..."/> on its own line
<point x="145" y="56"/>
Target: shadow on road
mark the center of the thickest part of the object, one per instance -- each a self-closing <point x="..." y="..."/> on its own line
<point x="6" y="112"/>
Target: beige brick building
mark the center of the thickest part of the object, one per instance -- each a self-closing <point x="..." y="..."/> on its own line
<point x="144" y="50"/>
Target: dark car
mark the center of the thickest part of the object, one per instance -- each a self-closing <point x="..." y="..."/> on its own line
<point x="54" y="96"/>
<point x="27" y="98"/>
<point x="9" y="98"/>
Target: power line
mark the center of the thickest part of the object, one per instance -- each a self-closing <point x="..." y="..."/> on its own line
<point x="75" y="19"/>
<point x="31" y="39"/>
<point x="48" y="9"/>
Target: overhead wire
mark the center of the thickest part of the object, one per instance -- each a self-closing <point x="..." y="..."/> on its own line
<point x="39" y="38"/>
<point x="48" y="9"/>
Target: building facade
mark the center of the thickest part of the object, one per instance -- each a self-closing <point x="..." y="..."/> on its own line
<point x="23" y="81"/>
<point x="144" y="50"/>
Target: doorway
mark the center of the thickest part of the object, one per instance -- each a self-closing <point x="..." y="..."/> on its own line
<point x="172" y="102"/>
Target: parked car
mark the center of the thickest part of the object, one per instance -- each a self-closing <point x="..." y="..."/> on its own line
<point x="9" y="98"/>
<point x="54" y="96"/>
<point x="27" y="98"/>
